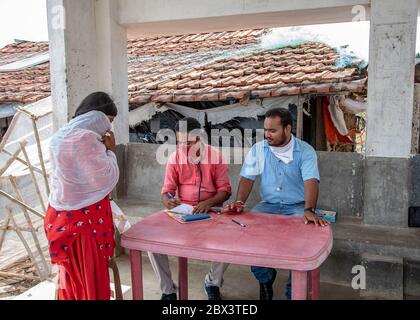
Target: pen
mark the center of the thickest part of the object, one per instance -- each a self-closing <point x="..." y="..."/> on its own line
<point x="170" y="195"/>
<point x="241" y="224"/>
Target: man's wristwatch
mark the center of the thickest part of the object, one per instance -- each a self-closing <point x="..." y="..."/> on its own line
<point x="310" y="209"/>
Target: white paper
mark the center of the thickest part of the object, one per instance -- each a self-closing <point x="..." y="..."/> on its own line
<point x="185" y="209"/>
<point x="119" y="218"/>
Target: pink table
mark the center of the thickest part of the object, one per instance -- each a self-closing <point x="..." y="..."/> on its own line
<point x="268" y="240"/>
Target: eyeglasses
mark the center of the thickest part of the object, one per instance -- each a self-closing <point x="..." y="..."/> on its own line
<point x="186" y="143"/>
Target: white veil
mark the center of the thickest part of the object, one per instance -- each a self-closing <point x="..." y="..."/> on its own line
<point x="83" y="171"/>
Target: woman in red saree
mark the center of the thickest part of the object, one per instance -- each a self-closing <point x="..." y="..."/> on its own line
<point x="78" y="223"/>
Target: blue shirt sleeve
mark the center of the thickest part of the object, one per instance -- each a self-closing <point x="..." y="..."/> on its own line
<point x="309" y="165"/>
<point x="252" y="166"/>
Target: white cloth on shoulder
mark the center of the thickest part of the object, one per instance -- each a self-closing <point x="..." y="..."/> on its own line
<point x="284" y="153"/>
<point x="82" y="170"/>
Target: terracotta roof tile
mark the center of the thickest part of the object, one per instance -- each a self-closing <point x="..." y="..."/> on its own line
<point x="207" y="66"/>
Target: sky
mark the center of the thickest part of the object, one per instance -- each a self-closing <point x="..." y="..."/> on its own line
<point x="27" y="20"/>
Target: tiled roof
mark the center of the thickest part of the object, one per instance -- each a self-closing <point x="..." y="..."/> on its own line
<point x="20" y="50"/>
<point x="172" y="45"/>
<point x="210" y="66"/>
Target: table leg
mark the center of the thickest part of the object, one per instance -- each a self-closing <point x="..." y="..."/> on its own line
<point x="299" y="285"/>
<point x="313" y="284"/>
<point x="136" y="275"/>
<point x="183" y="278"/>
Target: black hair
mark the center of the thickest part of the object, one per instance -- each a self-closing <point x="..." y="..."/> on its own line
<point x="284" y="115"/>
<point x="192" y="124"/>
<point x="99" y="101"/>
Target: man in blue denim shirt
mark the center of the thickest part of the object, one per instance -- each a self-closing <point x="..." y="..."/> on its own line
<point x="289" y="182"/>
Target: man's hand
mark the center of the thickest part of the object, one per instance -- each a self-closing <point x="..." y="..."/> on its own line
<point x="170" y="203"/>
<point x="312" y="217"/>
<point x="203" y="207"/>
<point x="109" y="140"/>
<point x="236" y="207"/>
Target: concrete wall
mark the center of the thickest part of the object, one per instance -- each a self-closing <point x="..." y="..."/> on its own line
<point x="144" y="179"/>
<point x="343" y="178"/>
<point x="341" y="187"/>
<point x="415" y="182"/>
<point x="415" y="139"/>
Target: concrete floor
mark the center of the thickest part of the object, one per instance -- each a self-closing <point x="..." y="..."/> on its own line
<point x="239" y="283"/>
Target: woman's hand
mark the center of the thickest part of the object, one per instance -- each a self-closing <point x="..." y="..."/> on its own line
<point x="109" y="140"/>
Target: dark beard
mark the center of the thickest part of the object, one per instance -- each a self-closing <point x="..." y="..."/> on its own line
<point x="282" y="141"/>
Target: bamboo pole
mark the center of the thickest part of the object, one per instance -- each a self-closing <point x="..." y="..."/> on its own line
<point x="28" y="135"/>
<point x="11" y="228"/>
<point x="3" y="233"/>
<point x="6" y="274"/>
<point x="10" y="161"/>
<point x="31" y="226"/>
<point x="117" y="280"/>
<point x="23" y="240"/>
<point x="24" y="205"/>
<point x="9" y="130"/>
<point x="299" y="125"/>
<point x="28" y="113"/>
<point x="21" y="160"/>
<point x="38" y="192"/>
<point x="41" y="158"/>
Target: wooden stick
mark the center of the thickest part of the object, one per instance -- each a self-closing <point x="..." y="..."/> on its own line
<point x="9" y="161"/>
<point x="26" y="136"/>
<point x="32" y="115"/>
<point x="117" y="280"/>
<point x="9" y="131"/>
<point x="299" y="125"/>
<point x="3" y="234"/>
<point x="21" y="160"/>
<point x="24" y="205"/>
<point x="5" y="274"/>
<point x="25" y="244"/>
<point x="12" y="228"/>
<point x="38" y="192"/>
<point x="31" y="226"/>
<point x="28" y="113"/>
<point x="41" y="158"/>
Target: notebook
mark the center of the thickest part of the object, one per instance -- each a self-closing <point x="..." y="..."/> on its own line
<point x="184" y="214"/>
<point x="328" y="215"/>
<point x="186" y="209"/>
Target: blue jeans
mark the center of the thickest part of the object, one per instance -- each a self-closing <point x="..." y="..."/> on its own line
<point x="264" y="274"/>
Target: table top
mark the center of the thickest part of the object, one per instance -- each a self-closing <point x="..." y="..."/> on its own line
<point x="267" y="240"/>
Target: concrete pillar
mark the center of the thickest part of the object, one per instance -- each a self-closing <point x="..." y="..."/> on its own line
<point x="112" y="63"/>
<point x="88" y="53"/>
<point x="390" y="111"/>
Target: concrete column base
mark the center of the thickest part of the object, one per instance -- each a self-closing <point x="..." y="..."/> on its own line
<point x="387" y="191"/>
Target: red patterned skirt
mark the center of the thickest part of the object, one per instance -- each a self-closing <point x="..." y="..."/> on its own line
<point x="81" y="242"/>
